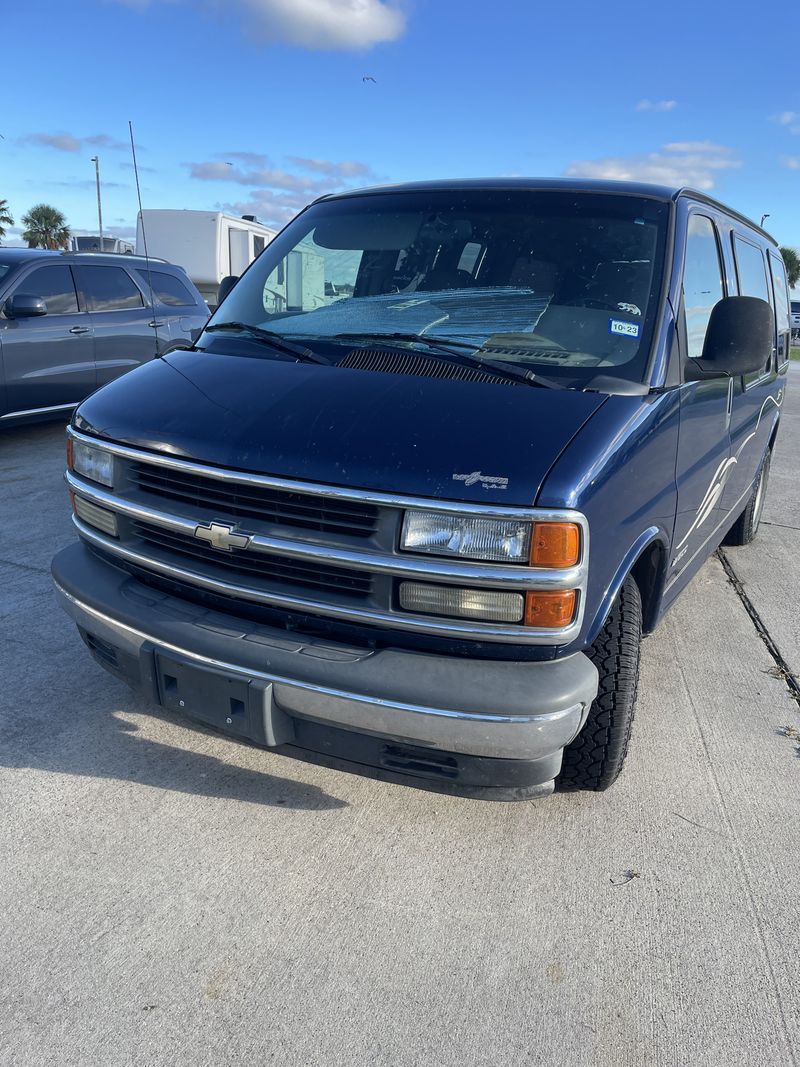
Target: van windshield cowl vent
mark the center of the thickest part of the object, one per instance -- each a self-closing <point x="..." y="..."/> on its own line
<point x="559" y="355"/>
<point x="417" y="364"/>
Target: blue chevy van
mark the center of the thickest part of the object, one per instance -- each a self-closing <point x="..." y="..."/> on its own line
<point x="440" y="458"/>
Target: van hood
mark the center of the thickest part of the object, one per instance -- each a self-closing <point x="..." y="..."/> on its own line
<point x="453" y="439"/>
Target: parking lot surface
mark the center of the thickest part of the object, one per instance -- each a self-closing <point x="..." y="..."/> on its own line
<point x="168" y="896"/>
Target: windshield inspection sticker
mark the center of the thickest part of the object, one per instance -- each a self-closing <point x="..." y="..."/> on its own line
<point x="624" y="329"/>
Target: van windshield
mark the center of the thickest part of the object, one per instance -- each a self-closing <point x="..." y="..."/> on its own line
<point x="563" y="283"/>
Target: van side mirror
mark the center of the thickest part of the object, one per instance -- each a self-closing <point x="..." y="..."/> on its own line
<point x="225" y="287"/>
<point x="739" y="338"/>
<point x="24" y="306"/>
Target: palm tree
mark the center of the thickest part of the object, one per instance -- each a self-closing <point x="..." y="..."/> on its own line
<point x="792" y="262"/>
<point x="46" y="227"/>
<point x="5" y="218"/>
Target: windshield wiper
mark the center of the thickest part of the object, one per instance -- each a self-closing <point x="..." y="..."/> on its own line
<point x="453" y="349"/>
<point x="274" y="340"/>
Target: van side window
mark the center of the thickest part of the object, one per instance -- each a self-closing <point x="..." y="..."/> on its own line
<point x="782" y="321"/>
<point x="55" y="286"/>
<point x="751" y="272"/>
<point x="750" y="269"/>
<point x="702" y="281"/>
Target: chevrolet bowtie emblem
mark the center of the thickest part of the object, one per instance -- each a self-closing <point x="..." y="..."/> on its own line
<point x="221" y="537"/>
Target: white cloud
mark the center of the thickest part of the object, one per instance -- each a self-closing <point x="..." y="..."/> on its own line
<point x="339" y="24"/>
<point x="252" y="159"/>
<point x="66" y="142"/>
<point x="656" y="105"/>
<point x="791" y="162"/>
<point x="276" y="194"/>
<point x="788" y="119"/>
<point x="349" y="168"/>
<point x="679" y="163"/>
<point x="272" y="209"/>
<point x="317" y="24"/>
<point x="321" y="175"/>
<point x="273" y="177"/>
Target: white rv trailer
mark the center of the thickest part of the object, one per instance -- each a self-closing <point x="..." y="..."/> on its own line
<point x="209" y="245"/>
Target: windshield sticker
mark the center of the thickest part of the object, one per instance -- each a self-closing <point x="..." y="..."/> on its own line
<point x="486" y="480"/>
<point x="624" y="329"/>
<point x="630" y="308"/>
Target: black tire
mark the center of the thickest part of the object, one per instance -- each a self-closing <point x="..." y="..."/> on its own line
<point x="746" y="526"/>
<point x="595" y="758"/>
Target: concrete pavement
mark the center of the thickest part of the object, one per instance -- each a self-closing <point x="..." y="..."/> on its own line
<point x="168" y="896"/>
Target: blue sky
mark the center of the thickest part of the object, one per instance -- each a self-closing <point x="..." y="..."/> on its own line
<point x="259" y="105"/>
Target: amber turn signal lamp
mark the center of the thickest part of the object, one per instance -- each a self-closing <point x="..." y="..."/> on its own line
<point x="550" y="610"/>
<point x="69" y="453"/>
<point x="555" y="544"/>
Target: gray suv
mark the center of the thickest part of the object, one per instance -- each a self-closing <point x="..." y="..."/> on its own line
<point x="71" y="322"/>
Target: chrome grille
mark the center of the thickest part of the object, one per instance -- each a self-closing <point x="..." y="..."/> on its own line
<point x="306" y="511"/>
<point x="272" y="569"/>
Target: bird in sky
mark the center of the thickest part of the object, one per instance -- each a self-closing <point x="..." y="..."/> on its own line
<point x="368" y="78"/>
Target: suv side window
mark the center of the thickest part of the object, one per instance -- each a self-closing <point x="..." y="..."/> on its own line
<point x="167" y="288"/>
<point x="782" y="321"/>
<point x="55" y="286"/>
<point x="108" y="289"/>
<point x="702" y="281"/>
<point x="751" y="272"/>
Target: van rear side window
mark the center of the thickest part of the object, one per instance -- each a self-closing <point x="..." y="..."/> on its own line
<point x="752" y="274"/>
<point x="750" y="269"/>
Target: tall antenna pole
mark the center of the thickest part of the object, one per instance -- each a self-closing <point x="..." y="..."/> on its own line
<point x="96" y="161"/>
<point x="154" y="323"/>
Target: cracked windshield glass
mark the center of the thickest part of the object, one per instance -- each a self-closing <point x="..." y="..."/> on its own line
<point x="565" y="285"/>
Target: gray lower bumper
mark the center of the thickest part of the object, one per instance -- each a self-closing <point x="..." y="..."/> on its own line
<point x="499" y="710"/>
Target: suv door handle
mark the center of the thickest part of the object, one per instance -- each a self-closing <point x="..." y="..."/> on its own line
<point x="80" y="329"/>
<point x="156" y="325"/>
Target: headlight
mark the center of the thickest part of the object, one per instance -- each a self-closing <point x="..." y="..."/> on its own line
<point x="440" y="534"/>
<point x="93" y="463"/>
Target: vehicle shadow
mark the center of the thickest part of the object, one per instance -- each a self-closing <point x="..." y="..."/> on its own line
<point x="92" y="736"/>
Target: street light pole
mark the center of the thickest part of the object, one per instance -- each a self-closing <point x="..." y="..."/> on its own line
<point x="762" y="219"/>
<point x="96" y="161"/>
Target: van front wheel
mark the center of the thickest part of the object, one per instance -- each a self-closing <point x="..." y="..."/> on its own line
<point x="595" y="758"/>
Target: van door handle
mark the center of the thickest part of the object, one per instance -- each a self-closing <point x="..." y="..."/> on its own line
<point x="80" y="329"/>
<point x="156" y="325"/>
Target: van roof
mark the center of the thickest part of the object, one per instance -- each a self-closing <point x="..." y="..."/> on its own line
<point x="664" y="193"/>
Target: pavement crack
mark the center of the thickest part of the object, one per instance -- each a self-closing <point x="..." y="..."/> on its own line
<point x="783" y="670"/>
<point x="24" y="566"/>
<point x="780" y="525"/>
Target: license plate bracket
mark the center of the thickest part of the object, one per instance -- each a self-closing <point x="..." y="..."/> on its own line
<point x="219" y="699"/>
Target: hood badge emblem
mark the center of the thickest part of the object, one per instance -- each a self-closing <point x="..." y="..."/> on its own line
<point x="221" y="537"/>
<point x="487" y="481"/>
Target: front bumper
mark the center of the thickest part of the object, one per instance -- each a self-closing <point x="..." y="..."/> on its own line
<point x="473" y="723"/>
